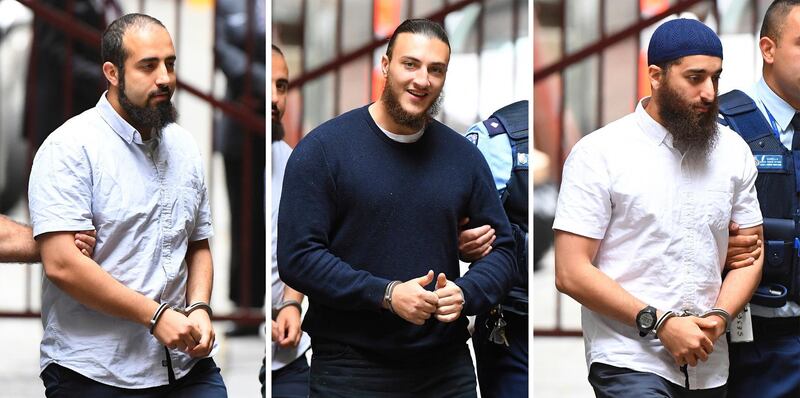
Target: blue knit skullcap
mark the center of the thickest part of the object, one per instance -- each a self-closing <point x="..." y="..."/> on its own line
<point x="681" y="37"/>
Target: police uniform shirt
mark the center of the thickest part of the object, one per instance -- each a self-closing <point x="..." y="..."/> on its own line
<point x="770" y="104"/>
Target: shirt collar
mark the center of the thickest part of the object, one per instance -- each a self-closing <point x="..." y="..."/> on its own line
<point x="654" y="131"/>
<point x="117" y="123"/>
<point x="780" y="110"/>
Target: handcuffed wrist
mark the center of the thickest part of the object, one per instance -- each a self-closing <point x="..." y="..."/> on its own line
<point x="286" y="303"/>
<point x="387" y="296"/>
<point x="661" y="320"/>
<point x="719" y="312"/>
<point x="157" y="315"/>
<point x="198" y="305"/>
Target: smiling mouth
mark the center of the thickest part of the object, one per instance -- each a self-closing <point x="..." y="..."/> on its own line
<point x="417" y="94"/>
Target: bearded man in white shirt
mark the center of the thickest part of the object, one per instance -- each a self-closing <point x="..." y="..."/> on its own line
<point x="641" y="229"/>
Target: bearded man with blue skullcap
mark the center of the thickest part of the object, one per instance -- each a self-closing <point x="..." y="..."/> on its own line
<point x="641" y="229"/>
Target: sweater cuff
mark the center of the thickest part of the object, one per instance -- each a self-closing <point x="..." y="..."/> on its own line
<point x="468" y="290"/>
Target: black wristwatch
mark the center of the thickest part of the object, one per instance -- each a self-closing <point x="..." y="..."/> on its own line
<point x="646" y="320"/>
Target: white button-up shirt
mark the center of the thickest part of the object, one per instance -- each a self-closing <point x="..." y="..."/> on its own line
<point x="147" y="201"/>
<point x="663" y="222"/>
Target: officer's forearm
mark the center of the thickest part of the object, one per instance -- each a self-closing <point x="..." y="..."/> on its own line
<point x="740" y="284"/>
<point x="16" y="242"/>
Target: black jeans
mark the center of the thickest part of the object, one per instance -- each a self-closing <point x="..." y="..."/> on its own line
<point x="339" y="370"/>
<point x="203" y="381"/>
<point x="613" y="382"/>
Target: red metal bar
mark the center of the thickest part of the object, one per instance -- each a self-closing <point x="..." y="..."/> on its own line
<point x="556" y="333"/>
<point x="368" y="48"/>
<point x="78" y="30"/>
<point x="601" y="45"/>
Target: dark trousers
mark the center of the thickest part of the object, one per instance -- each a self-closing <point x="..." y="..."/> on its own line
<point x="766" y="367"/>
<point x="203" y="381"/>
<point x="234" y="169"/>
<point x="342" y="371"/>
<point x="613" y="382"/>
<point x="291" y="381"/>
<point x="502" y="371"/>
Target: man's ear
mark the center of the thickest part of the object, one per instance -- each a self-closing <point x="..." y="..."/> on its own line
<point x="655" y="74"/>
<point x="384" y="65"/>
<point x="767" y="47"/>
<point x="111" y="73"/>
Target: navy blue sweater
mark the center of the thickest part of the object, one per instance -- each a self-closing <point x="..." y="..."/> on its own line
<point x="359" y="210"/>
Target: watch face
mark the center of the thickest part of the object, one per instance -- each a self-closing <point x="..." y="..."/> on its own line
<point x="646" y="320"/>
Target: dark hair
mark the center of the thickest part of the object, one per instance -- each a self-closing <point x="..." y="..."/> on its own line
<point x="112" y="49"/>
<point x="424" y="27"/>
<point x="277" y="50"/>
<point x="664" y="66"/>
<point x="775" y="18"/>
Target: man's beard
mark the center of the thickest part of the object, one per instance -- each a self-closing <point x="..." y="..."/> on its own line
<point x="277" y="131"/>
<point x="147" y="117"/>
<point x="401" y="116"/>
<point x="693" y="134"/>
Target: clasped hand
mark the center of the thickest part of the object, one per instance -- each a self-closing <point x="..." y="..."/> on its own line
<point x="690" y="339"/>
<point x="192" y="334"/>
<point x="413" y="303"/>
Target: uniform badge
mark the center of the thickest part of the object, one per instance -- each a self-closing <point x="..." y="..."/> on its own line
<point x="473" y="138"/>
<point x="522" y="158"/>
<point x="769" y="163"/>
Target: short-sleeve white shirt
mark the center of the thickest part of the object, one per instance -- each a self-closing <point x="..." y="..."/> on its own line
<point x="663" y="222"/>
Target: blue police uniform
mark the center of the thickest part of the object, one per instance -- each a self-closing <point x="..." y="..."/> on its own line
<point x="770" y="365"/>
<point x="501" y="336"/>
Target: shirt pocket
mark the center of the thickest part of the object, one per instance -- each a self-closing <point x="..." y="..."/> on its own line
<point x="717" y="208"/>
<point x="186" y="206"/>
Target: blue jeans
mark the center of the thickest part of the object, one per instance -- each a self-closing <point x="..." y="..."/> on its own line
<point x="502" y="371"/>
<point x="339" y="370"/>
<point x="291" y="381"/>
<point x="203" y="381"/>
<point x="613" y="382"/>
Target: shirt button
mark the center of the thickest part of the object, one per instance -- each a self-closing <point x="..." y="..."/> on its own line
<point x="164" y="363"/>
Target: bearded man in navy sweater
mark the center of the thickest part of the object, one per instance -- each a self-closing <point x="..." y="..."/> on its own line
<point x="369" y="222"/>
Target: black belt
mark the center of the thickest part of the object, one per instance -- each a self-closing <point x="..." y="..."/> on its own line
<point x="769" y="328"/>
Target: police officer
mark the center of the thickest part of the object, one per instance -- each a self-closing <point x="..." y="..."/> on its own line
<point x="766" y="116"/>
<point x="501" y="339"/>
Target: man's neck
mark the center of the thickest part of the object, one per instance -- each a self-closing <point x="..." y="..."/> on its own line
<point x="651" y="107"/>
<point x="381" y="116"/>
